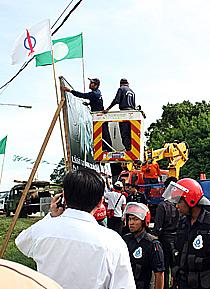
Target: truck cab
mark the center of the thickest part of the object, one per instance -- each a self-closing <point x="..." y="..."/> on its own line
<point x="37" y="191"/>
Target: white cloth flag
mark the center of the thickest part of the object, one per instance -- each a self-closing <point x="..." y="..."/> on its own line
<point x="34" y="40"/>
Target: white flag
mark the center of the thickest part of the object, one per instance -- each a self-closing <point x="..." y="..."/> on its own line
<point x="34" y="40"/>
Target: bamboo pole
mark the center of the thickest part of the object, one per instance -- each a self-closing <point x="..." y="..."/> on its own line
<point x="33" y="172"/>
<point x="61" y="130"/>
<point x="83" y="73"/>
<point x="2" y="168"/>
<point x="66" y="130"/>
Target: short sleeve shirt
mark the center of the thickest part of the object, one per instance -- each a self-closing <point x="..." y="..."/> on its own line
<point x="146" y="255"/>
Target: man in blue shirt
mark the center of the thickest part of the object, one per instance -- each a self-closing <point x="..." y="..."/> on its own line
<point x="125" y="97"/>
<point x="96" y="104"/>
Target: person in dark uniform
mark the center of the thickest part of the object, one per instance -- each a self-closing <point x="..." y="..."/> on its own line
<point x="136" y="196"/>
<point x="192" y="246"/>
<point x="133" y="196"/>
<point x="96" y="104"/>
<point x="145" y="250"/>
<point x="166" y="224"/>
<point x="125" y="97"/>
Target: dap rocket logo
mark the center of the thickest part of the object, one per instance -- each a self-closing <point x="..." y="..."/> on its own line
<point x="29" y="42"/>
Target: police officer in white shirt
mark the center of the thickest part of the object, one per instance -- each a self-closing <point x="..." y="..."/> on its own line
<point x="70" y="247"/>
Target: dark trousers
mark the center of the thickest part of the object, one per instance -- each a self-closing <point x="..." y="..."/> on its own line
<point x="168" y="260"/>
<point x="184" y="285"/>
<point x="106" y="137"/>
<point x="116" y="224"/>
<point x="125" y="131"/>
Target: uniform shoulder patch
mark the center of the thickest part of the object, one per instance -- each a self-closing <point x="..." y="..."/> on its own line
<point x="127" y="237"/>
<point x="150" y="237"/>
<point x="207" y="218"/>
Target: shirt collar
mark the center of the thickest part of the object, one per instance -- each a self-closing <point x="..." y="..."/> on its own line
<point x="80" y="215"/>
<point x="140" y="237"/>
<point x="201" y="216"/>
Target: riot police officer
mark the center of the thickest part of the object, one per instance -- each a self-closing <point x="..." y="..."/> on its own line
<point x="166" y="224"/>
<point x="192" y="246"/>
<point x="145" y="251"/>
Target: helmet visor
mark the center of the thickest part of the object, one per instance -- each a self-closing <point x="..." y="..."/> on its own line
<point x="174" y="192"/>
<point x="137" y="209"/>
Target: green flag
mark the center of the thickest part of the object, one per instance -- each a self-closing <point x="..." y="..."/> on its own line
<point x="64" y="48"/>
<point x="3" y="145"/>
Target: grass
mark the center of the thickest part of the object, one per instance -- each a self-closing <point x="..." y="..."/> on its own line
<point x="12" y="253"/>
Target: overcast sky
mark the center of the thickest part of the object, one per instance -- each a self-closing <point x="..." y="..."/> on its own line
<point x="161" y="46"/>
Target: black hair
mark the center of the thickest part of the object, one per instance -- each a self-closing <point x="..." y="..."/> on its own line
<point x="83" y="189"/>
<point x="168" y="180"/>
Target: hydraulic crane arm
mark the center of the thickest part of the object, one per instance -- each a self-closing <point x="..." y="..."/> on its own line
<point x="176" y="153"/>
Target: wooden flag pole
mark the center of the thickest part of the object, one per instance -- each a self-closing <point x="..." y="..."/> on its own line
<point x="31" y="177"/>
<point x="83" y="66"/>
<point x="61" y="130"/>
<point x="66" y="128"/>
<point x="83" y="73"/>
<point x="2" y="168"/>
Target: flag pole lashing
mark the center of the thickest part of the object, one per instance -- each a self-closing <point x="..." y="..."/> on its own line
<point x="31" y="177"/>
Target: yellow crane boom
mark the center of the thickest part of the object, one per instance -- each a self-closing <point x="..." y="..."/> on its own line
<point x="176" y="153"/>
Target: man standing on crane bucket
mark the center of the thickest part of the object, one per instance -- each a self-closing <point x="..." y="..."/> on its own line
<point x="96" y="104"/>
<point x="125" y="97"/>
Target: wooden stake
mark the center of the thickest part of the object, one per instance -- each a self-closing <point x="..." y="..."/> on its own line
<point x="33" y="172"/>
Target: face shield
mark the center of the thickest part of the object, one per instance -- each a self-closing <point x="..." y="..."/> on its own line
<point x="174" y="192"/>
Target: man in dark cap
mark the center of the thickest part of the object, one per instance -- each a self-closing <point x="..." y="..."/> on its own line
<point x="96" y="104"/>
<point x="125" y="97"/>
<point x="94" y="96"/>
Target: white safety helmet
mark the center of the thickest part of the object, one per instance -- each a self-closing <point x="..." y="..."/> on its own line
<point x="118" y="185"/>
<point x="139" y="210"/>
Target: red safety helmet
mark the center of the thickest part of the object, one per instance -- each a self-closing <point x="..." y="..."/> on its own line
<point x="139" y="210"/>
<point x="188" y="189"/>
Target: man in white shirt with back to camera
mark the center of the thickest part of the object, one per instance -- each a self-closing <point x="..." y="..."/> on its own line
<point x="116" y="204"/>
<point x="70" y="247"/>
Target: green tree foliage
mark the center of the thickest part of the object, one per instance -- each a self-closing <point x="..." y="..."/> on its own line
<point x="185" y="122"/>
<point x="58" y="173"/>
